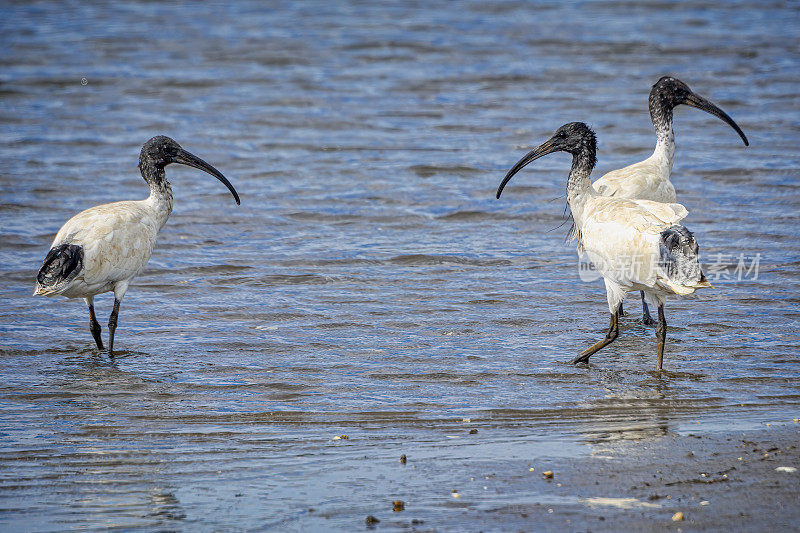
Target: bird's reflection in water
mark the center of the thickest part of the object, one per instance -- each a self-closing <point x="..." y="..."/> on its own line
<point x="165" y="505"/>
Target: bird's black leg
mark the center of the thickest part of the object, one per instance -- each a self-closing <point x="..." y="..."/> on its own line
<point x="611" y="334"/>
<point x="620" y="312"/>
<point x="112" y="327"/>
<point x="647" y="320"/>
<point x="661" y="334"/>
<point x="94" y="325"/>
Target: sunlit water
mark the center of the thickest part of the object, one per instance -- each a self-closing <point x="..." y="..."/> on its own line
<point x="370" y="284"/>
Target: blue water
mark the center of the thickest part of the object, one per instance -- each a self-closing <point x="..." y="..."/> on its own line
<point x="370" y="284"/>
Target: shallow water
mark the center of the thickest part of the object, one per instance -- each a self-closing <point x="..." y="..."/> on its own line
<point x="370" y="284"/>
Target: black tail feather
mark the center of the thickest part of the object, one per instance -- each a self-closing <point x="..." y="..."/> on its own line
<point x="62" y="264"/>
<point x="679" y="254"/>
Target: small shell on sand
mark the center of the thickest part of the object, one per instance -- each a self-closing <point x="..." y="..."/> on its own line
<point x="341" y="437"/>
<point x="399" y="505"/>
<point x="677" y="517"/>
<point x="787" y="469"/>
<point x="548" y="474"/>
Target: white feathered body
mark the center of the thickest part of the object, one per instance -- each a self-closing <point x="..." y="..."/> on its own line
<point x="645" y="180"/>
<point x="117" y="240"/>
<point x="623" y="239"/>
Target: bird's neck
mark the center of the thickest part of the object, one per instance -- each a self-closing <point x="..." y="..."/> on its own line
<point x="664" y="153"/>
<point x="578" y="181"/>
<point x="160" y="198"/>
<point x="578" y="184"/>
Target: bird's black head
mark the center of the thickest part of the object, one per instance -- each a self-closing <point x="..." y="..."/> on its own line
<point x="160" y="151"/>
<point x="669" y="92"/>
<point x="575" y="137"/>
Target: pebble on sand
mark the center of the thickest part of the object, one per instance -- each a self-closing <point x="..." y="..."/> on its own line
<point x="370" y="520"/>
<point x="399" y="505"/>
<point x="787" y="469"/>
<point x="403" y="459"/>
<point x="341" y="437"/>
<point x="677" y="517"/>
<point x="548" y="474"/>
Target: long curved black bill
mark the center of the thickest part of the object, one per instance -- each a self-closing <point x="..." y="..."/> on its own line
<point x="701" y="103"/>
<point x="542" y="150"/>
<point x="185" y="158"/>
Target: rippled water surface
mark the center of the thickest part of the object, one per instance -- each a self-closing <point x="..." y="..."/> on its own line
<point x="370" y="284"/>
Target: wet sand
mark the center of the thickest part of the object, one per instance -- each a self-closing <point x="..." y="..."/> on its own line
<point x="718" y="481"/>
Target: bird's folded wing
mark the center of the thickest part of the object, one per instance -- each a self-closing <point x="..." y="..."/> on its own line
<point x="667" y="213"/>
<point x="117" y="240"/>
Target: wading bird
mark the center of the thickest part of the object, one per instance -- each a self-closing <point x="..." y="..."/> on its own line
<point x="636" y="245"/>
<point x="103" y="248"/>
<point x="649" y="179"/>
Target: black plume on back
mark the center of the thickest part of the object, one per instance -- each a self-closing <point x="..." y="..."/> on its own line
<point x="679" y="254"/>
<point x="62" y="264"/>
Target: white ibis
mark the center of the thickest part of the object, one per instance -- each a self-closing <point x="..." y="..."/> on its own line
<point x="649" y="179"/>
<point x="635" y="245"/>
<point x="103" y="248"/>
